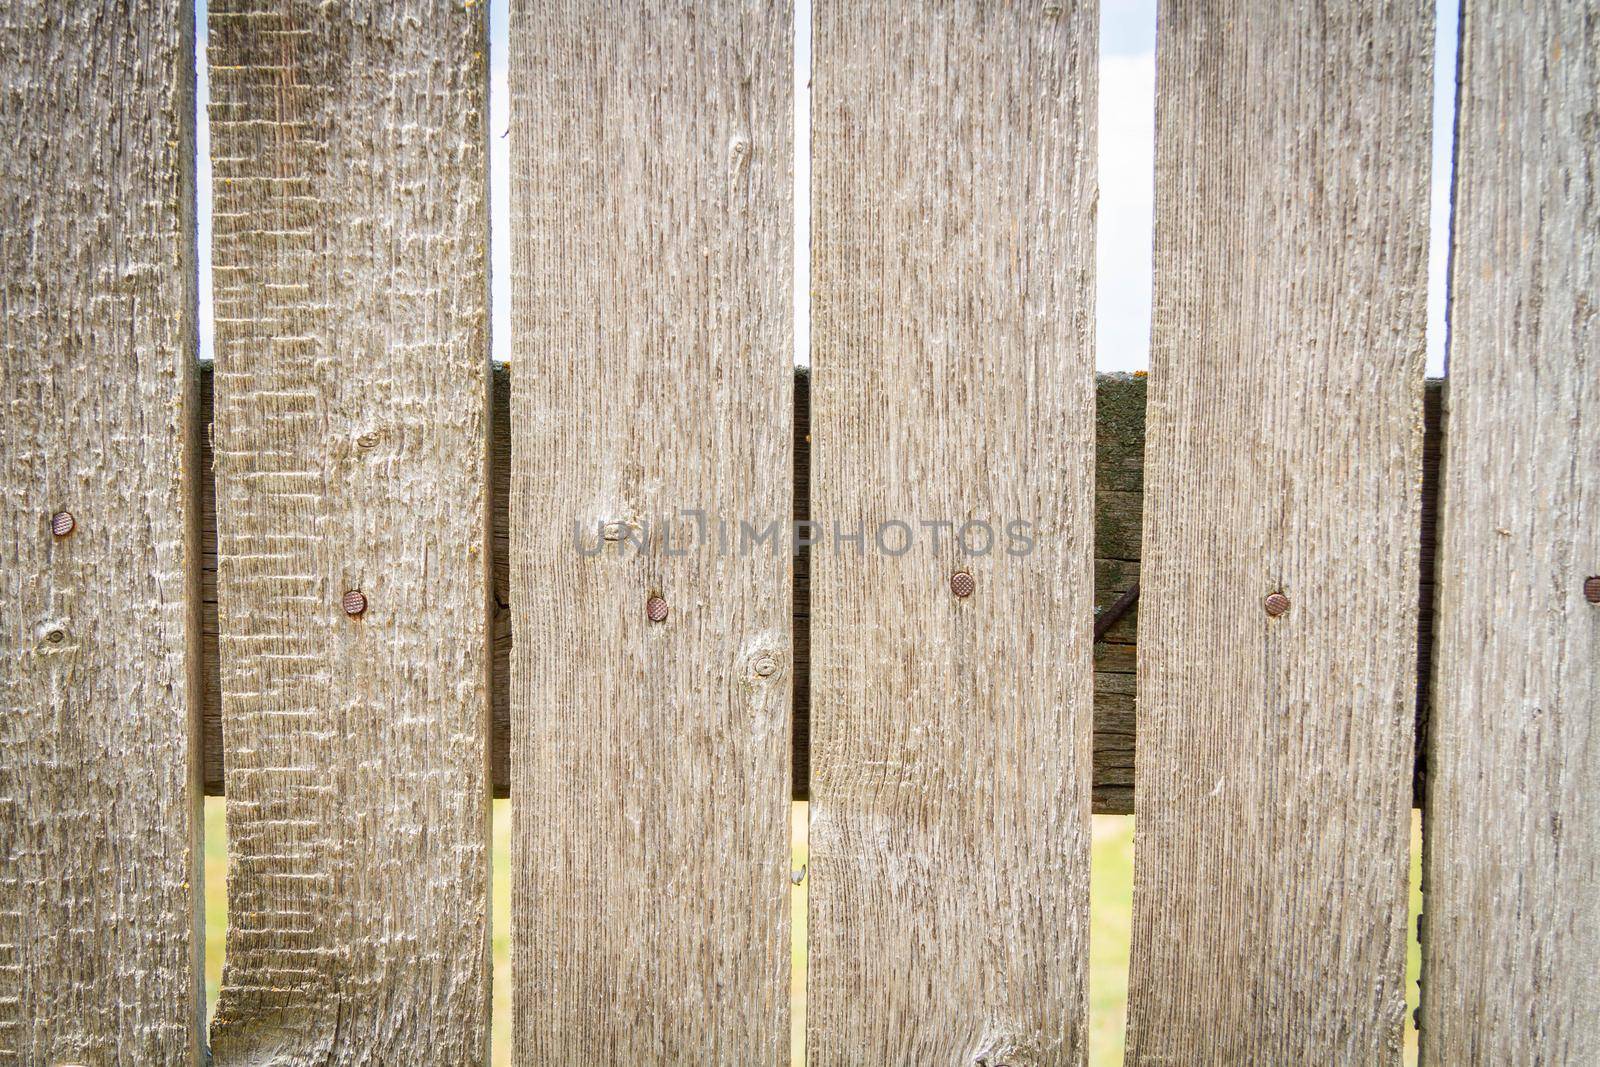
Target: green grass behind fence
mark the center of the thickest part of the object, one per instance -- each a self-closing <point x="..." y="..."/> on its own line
<point x="1111" y="906"/>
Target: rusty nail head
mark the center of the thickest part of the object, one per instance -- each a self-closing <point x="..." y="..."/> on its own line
<point x="355" y="603"/>
<point x="961" y="583"/>
<point x="1276" y="604"/>
<point x="655" y="609"/>
<point x="62" y="523"/>
<point x="1591" y="589"/>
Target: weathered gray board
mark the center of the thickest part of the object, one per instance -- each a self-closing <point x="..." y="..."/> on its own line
<point x="352" y="389"/>
<point x="1119" y="484"/>
<point x="1511" y="964"/>
<point x="652" y="311"/>
<point x="99" y="630"/>
<point x="1284" y="455"/>
<point x="953" y="265"/>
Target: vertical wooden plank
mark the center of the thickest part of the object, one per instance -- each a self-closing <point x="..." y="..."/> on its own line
<point x="352" y="389"/>
<point x="953" y="382"/>
<point x="1283" y="456"/>
<point x="651" y="310"/>
<point x="1512" y="952"/>
<point x="99" y="628"/>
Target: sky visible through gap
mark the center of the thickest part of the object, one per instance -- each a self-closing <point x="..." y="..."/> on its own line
<point x="1127" y="131"/>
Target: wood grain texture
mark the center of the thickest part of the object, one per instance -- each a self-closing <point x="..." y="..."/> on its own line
<point x="99" y="630"/>
<point x="652" y="312"/>
<point x="953" y="230"/>
<point x="352" y="389"/>
<point x="1284" y="453"/>
<point x="1511" y="970"/>
<point x="1119" y="484"/>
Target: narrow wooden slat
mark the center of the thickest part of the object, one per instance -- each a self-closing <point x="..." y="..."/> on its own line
<point x="651" y="310"/>
<point x="351" y="433"/>
<point x="99" y="629"/>
<point x="1511" y="970"/>
<point x="953" y="215"/>
<point x="1284" y="454"/>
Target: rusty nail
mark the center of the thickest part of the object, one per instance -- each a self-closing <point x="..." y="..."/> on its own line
<point x="1105" y="619"/>
<point x="355" y="603"/>
<point x="655" y="609"/>
<point x="1591" y="589"/>
<point x="62" y="523"/>
<point x="961" y="583"/>
<point x="1276" y="604"/>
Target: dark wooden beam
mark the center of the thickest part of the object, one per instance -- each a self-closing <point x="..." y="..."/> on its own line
<point x="1119" y="489"/>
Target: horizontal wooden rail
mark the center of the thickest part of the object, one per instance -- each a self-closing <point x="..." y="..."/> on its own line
<point x="1119" y="486"/>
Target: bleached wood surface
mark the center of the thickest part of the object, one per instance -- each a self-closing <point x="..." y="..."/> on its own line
<point x="651" y="315"/>
<point x="1284" y="454"/>
<point x="99" y="654"/>
<point x="352" y="388"/>
<point x="1119" y="481"/>
<point x="1511" y="970"/>
<point x="953" y="263"/>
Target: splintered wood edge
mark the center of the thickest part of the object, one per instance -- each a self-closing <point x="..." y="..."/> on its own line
<point x="1119" y="480"/>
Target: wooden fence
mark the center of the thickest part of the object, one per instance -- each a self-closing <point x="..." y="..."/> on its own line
<point x="357" y="571"/>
